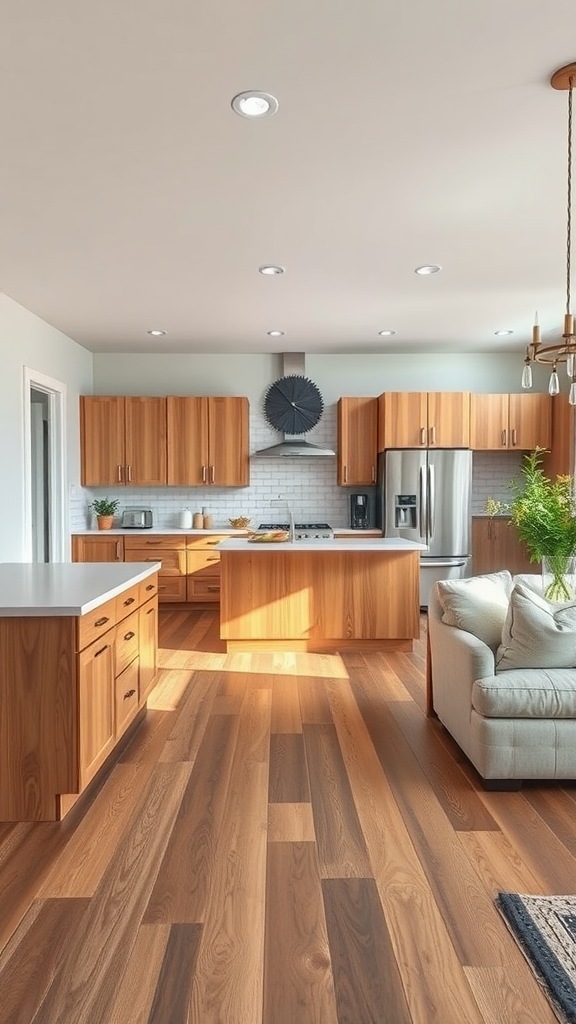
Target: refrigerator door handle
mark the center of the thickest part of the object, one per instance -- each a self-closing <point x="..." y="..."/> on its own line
<point x="431" y="502"/>
<point x="423" y="503"/>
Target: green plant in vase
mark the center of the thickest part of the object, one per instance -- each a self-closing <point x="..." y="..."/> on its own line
<point x="543" y="513"/>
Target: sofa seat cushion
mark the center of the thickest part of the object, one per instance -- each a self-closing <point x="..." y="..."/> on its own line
<point x="526" y="693"/>
<point x="537" y="634"/>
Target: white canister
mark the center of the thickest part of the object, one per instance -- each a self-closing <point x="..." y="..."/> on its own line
<point x="185" y="519"/>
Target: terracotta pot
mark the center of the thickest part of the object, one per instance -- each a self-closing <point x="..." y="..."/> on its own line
<point x="105" y="522"/>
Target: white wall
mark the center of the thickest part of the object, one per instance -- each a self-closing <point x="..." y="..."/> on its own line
<point x="25" y="340"/>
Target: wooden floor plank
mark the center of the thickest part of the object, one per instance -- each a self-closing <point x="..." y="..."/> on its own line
<point x="184" y="877"/>
<point x="286" y="715"/>
<point x="299" y="984"/>
<point x="506" y="998"/>
<point x="172" y="996"/>
<point x="135" y="993"/>
<point x="186" y="735"/>
<point x="341" y="846"/>
<point x="290" y="823"/>
<point x="367" y="981"/>
<point x="314" y="706"/>
<point x="288" y="770"/>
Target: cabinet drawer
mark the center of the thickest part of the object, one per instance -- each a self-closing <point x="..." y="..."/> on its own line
<point x="157" y="540"/>
<point x="173" y="561"/>
<point x="127" y="602"/>
<point x="126" y="694"/>
<point x="210" y="540"/>
<point x="172" y="588"/>
<point x="203" y="588"/>
<point x="127" y="641"/>
<point x="148" y="589"/>
<point x="206" y="563"/>
<point x="95" y="623"/>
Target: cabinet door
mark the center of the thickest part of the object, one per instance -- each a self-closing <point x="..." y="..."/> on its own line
<point x="357" y="441"/>
<point x="495" y="546"/>
<point x="187" y="441"/>
<point x="405" y="419"/>
<point x="562" y="456"/>
<point x="448" y="419"/>
<point x="103" y="457"/>
<point x="530" y="421"/>
<point x="148" y="646"/>
<point x="228" y="446"/>
<point x="145" y="445"/>
<point x="97" y="549"/>
<point x="126" y="696"/>
<point x="96" y="705"/>
<point x="488" y="422"/>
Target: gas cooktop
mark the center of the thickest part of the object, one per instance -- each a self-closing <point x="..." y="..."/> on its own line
<point x="303" y="531"/>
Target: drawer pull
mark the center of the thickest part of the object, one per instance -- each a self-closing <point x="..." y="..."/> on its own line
<point x="212" y="588"/>
<point x="129" y="600"/>
<point x="150" y="611"/>
<point x="129" y="634"/>
<point x="213" y="542"/>
<point x="101" y="651"/>
<point x="150" y="586"/>
<point x="128" y="694"/>
<point x="162" y="587"/>
<point x="102" y="621"/>
<point x="214" y="559"/>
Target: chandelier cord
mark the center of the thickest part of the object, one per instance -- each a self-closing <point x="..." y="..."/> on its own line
<point x="569" y="205"/>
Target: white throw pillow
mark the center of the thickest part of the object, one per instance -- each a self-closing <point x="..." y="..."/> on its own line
<point x="477" y="604"/>
<point x="537" y="634"/>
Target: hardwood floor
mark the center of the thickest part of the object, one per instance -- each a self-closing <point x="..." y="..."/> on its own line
<point x="286" y="839"/>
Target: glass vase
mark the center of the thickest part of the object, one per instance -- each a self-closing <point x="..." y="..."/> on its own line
<point x="559" y="578"/>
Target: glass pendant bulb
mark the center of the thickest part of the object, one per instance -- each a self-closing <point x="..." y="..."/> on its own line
<point x="554" y="383"/>
<point x="570" y="364"/>
<point x="527" y="375"/>
<point x="572" y="395"/>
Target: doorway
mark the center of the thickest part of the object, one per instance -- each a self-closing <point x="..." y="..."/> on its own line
<point x="45" y="511"/>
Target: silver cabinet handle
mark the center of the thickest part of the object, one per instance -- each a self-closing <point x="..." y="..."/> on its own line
<point x="102" y="621"/>
<point x="212" y="474"/>
<point x="432" y="435"/>
<point x="373" y="474"/>
<point x="503" y="438"/>
<point x="422" y="435"/>
<point x="514" y="438"/>
<point x="129" y="474"/>
<point x="119" y="474"/>
<point x="203" y="474"/>
<point x="117" y="550"/>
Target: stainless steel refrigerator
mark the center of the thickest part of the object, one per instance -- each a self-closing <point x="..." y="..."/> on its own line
<point x="425" y="496"/>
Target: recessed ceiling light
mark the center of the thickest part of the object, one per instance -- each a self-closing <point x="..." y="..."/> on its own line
<point x="275" y="334"/>
<point x="269" y="269"/>
<point x="428" y="268"/>
<point x="500" y="333"/>
<point x="255" y="104"/>
<point x="156" y="334"/>
<point x="386" y="334"/>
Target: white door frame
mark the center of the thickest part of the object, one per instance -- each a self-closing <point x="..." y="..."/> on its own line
<point x="58" y="533"/>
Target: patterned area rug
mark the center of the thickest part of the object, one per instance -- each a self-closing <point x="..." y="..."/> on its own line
<point x="545" y="928"/>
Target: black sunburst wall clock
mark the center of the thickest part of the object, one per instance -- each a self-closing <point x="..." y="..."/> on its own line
<point x="293" y="404"/>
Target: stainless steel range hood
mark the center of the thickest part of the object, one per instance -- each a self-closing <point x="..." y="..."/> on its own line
<point x="292" y="447"/>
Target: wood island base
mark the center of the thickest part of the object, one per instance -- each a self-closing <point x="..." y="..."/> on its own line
<point x="305" y="599"/>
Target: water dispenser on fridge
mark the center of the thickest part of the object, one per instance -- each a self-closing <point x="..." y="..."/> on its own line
<point x="405" y="511"/>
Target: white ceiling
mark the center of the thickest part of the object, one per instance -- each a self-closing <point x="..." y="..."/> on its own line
<point x="409" y="131"/>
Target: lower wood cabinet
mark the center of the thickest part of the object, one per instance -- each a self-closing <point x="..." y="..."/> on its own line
<point x="495" y="546"/>
<point x="203" y="567"/>
<point x="96" y="719"/>
<point x="170" y="550"/>
<point x="97" y="548"/>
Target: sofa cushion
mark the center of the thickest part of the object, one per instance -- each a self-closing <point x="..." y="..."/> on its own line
<point x="537" y="634"/>
<point x="477" y="604"/>
<point x="526" y="693"/>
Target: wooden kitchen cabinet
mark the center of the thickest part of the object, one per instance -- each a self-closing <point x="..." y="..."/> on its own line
<point x="495" y="546"/>
<point x="432" y="419"/>
<point x="203" y="567"/>
<point x="96" y="715"/>
<point x="170" y="550"/>
<point x="97" y="549"/>
<point x="357" y="441"/>
<point x="208" y="441"/>
<point x="148" y="648"/>
<point x="122" y="440"/>
<point x="506" y="422"/>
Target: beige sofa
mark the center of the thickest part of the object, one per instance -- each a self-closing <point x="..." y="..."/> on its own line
<point x="512" y="723"/>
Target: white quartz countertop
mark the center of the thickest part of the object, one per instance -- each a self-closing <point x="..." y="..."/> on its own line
<point x="343" y="544"/>
<point x="65" y="588"/>
<point x="340" y="531"/>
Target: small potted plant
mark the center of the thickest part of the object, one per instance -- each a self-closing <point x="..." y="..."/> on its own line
<point x="104" y="509"/>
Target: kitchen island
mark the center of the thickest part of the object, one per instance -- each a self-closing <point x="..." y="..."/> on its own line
<point x="320" y="595"/>
<point x="78" y="647"/>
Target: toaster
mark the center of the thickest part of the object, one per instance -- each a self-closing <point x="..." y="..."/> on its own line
<point x="137" y="518"/>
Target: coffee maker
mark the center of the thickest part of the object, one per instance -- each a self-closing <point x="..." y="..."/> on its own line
<point x="359" y="512"/>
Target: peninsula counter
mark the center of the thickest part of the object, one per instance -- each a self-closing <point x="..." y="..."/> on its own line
<point x="320" y="595"/>
<point x="78" y="649"/>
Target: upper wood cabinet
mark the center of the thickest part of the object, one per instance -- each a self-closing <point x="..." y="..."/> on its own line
<point x="504" y="422"/>
<point x="357" y="441"/>
<point x="424" y="419"/>
<point x="560" y="460"/>
<point x="123" y="440"/>
<point x="208" y="441"/>
<point x="495" y="546"/>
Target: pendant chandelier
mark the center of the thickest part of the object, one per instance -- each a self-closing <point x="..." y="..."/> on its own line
<point x="564" y="350"/>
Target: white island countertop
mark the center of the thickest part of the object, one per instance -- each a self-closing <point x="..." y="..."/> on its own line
<point x="338" y="544"/>
<point x="65" y="588"/>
